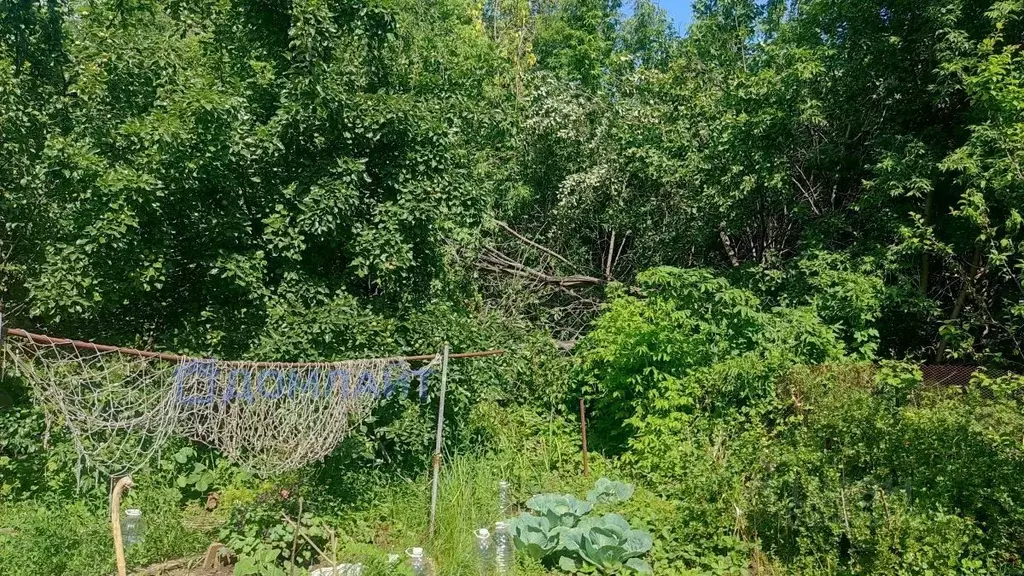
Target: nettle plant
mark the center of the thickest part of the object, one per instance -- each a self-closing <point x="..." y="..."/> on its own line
<point x="561" y="531"/>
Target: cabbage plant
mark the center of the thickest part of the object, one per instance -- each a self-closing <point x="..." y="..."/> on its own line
<point x="609" y="492"/>
<point x="607" y="545"/>
<point x="559" y="509"/>
<point x="535" y="536"/>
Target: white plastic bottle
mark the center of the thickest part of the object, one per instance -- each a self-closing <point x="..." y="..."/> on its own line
<point x="502" y="549"/>
<point x="418" y="561"/>
<point x="485" y="549"/>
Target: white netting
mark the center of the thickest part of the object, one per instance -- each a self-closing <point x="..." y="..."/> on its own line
<point x="120" y="408"/>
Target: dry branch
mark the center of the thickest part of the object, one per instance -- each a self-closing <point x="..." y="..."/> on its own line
<point x="494" y="261"/>
<point x="529" y="242"/>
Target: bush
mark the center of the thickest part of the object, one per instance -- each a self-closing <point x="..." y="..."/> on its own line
<point x="774" y="451"/>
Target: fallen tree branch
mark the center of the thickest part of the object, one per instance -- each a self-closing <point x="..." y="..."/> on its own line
<point x="529" y="242"/>
<point x="515" y="269"/>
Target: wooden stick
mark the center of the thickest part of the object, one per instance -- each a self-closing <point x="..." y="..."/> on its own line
<point x="583" y="432"/>
<point x="3" y="332"/>
<point x="332" y="561"/>
<point x="334" y="543"/>
<point x="529" y="242"/>
<point x="437" y="440"/>
<point x="611" y="253"/>
<point x="295" y="539"/>
<point x="115" y="523"/>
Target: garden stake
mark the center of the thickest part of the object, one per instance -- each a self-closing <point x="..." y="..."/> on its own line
<point x="295" y="539"/>
<point x="437" y="442"/>
<point x="583" y="432"/>
<point x="115" y="522"/>
<point x="332" y="561"/>
<point x="3" y="330"/>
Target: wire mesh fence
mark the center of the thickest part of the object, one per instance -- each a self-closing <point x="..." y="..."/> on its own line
<point x="977" y="379"/>
<point x="989" y="384"/>
<point x="957" y="375"/>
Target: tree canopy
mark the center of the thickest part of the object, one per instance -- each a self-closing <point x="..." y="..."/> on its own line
<point x="218" y="176"/>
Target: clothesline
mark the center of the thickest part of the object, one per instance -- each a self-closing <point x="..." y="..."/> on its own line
<point x="57" y="341"/>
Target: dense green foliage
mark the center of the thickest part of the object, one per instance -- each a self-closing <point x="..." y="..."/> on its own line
<point x="207" y="176"/>
<point x="781" y="453"/>
<point x="737" y="231"/>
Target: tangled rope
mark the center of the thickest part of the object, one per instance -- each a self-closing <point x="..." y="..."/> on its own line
<point x="120" y="406"/>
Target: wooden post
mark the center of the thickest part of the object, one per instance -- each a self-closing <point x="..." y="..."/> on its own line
<point x="115" y="523"/>
<point x="437" y="440"/>
<point x="583" y="432"/>
<point x="295" y="539"/>
<point x="3" y="333"/>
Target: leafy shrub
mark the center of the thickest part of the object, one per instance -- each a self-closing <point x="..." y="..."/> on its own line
<point x="75" y="540"/>
<point x="261" y="538"/>
<point x="845" y="293"/>
<point x="70" y="540"/>
<point x="690" y="345"/>
<point x="711" y="399"/>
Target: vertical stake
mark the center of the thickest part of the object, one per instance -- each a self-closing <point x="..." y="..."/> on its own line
<point x="295" y="539"/>
<point x="583" y="433"/>
<point x="3" y="334"/>
<point x="437" y="442"/>
<point x="115" y="522"/>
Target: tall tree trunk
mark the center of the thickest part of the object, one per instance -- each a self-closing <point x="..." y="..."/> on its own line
<point x="727" y="244"/>
<point x="961" y="298"/>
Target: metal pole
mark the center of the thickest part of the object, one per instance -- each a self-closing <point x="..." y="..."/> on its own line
<point x="583" y="432"/>
<point x="437" y="442"/>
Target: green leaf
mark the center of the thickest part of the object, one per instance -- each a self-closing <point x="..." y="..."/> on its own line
<point x="246" y="566"/>
<point x="567" y="564"/>
<point x="639" y="566"/>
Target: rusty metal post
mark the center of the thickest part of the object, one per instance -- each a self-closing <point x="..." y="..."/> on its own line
<point x="583" y="433"/>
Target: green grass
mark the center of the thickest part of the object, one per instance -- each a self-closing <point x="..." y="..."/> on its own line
<point x="468" y="494"/>
<point x="534" y="453"/>
<point x="75" y="540"/>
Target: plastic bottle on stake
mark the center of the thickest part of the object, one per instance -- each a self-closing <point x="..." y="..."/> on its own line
<point x="503" y="549"/>
<point x="133" y="529"/>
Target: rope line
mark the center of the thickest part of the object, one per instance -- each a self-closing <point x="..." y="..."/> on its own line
<point x="58" y="341"/>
